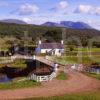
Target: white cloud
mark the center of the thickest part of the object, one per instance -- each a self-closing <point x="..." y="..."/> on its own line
<point x="87" y="9"/>
<point x="28" y="9"/>
<point x="94" y="23"/>
<point x="97" y="10"/>
<point x="61" y="6"/>
<point x="27" y="20"/>
<point x="84" y="9"/>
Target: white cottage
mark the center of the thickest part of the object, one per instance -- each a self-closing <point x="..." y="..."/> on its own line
<point x="50" y="48"/>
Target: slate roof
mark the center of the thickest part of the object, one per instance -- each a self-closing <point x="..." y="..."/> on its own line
<point x="51" y="46"/>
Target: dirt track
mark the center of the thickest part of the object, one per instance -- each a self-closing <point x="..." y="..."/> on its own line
<point x="77" y="82"/>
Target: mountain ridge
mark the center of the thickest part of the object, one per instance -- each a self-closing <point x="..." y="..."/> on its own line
<point x="14" y="21"/>
<point x="68" y="24"/>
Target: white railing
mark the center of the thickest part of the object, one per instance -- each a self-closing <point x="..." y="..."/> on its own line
<point x="42" y="78"/>
<point x="53" y="75"/>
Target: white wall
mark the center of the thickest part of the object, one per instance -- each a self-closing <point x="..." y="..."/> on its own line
<point x="55" y="53"/>
<point x="45" y="50"/>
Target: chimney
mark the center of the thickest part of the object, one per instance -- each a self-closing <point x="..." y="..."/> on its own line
<point x="62" y="42"/>
<point x="40" y="42"/>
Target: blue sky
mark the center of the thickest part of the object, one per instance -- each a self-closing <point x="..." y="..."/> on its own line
<point x="40" y="11"/>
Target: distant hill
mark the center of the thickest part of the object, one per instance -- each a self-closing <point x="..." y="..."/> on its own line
<point x="68" y="24"/>
<point x="16" y="21"/>
<point x="52" y="24"/>
<point x="75" y="25"/>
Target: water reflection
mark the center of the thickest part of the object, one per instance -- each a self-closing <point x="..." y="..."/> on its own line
<point x="4" y="78"/>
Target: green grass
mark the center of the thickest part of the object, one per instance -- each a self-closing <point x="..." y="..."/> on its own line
<point x="62" y="76"/>
<point x="20" y="84"/>
<point x="4" y="58"/>
<point x="94" y="75"/>
<point x="19" y="63"/>
<point x="79" y="96"/>
<point x="74" y="59"/>
<point x="87" y="56"/>
<point x="87" y="49"/>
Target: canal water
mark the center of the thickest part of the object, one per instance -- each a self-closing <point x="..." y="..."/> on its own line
<point x="4" y="78"/>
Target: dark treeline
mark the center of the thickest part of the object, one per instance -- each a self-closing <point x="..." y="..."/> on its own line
<point x="47" y="33"/>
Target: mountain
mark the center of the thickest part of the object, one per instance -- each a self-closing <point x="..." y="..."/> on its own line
<point x="69" y="24"/>
<point x="75" y="25"/>
<point x="52" y="24"/>
<point x="16" y="21"/>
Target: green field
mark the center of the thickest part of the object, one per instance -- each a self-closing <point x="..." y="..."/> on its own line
<point x="19" y="63"/>
<point x="74" y="59"/>
<point x="79" y="55"/>
<point x="19" y="84"/>
<point x="62" y="76"/>
<point x="87" y="49"/>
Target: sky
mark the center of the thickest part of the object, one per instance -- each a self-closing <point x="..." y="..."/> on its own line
<point x="40" y="11"/>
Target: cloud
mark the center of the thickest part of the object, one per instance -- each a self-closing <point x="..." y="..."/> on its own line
<point x="62" y="5"/>
<point x="94" y="23"/>
<point x="97" y="11"/>
<point x="28" y="9"/>
<point x="83" y="9"/>
<point x="87" y="9"/>
<point x="27" y="20"/>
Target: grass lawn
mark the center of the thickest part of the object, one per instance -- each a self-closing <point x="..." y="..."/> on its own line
<point x="71" y="57"/>
<point x="4" y="58"/>
<point x="74" y="59"/>
<point x="62" y="76"/>
<point x="79" y="96"/>
<point x="20" y="84"/>
<point x="87" y="49"/>
<point x="97" y="76"/>
<point x="20" y="63"/>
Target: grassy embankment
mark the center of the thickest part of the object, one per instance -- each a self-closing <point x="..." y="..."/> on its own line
<point x="18" y="63"/>
<point x="62" y="76"/>
<point x="19" y="84"/>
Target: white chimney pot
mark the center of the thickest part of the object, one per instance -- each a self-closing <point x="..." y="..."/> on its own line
<point x="40" y="42"/>
<point x="62" y="42"/>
